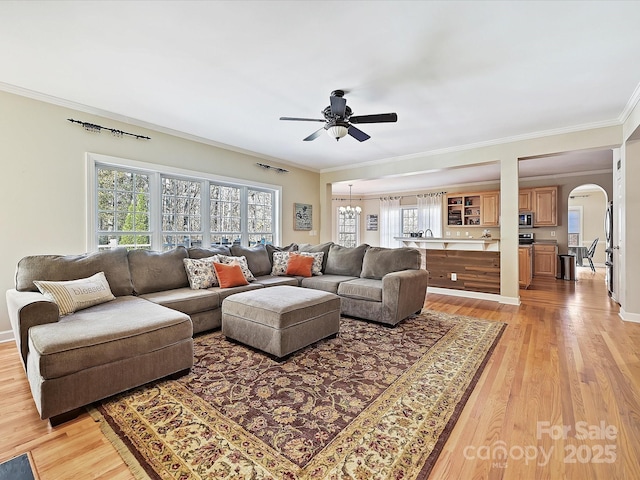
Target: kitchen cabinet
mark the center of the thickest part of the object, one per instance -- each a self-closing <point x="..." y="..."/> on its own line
<point x="525" y="260"/>
<point x="524" y="200"/>
<point x="490" y="209"/>
<point x="545" y="206"/>
<point x="480" y="209"/>
<point x="545" y="259"/>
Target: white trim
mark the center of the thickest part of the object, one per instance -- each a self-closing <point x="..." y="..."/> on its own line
<point x="155" y="170"/>
<point x="6" y="336"/>
<point x="628" y="316"/>
<point x="492" y="297"/>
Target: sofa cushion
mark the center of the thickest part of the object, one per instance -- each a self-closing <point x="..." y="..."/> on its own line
<point x="114" y="263"/>
<point x="362" y="289"/>
<point x="328" y="283"/>
<point x="257" y="258"/>
<point x="323" y="247"/>
<point x="73" y="295"/>
<point x="345" y="260"/>
<point x="200" y="272"/>
<point x="271" y="281"/>
<point x="185" y="300"/>
<point x="199" y="252"/>
<point x="157" y="271"/>
<point x="124" y="328"/>
<point x="379" y="261"/>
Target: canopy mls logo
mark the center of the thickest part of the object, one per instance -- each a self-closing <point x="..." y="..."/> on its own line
<point x="500" y="454"/>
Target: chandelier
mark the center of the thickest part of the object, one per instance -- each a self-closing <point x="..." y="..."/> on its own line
<point x="350" y="211"/>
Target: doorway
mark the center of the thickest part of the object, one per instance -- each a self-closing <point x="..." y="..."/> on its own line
<point x="587" y="206"/>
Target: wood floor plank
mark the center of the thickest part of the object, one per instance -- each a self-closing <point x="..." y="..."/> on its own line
<point x="564" y="358"/>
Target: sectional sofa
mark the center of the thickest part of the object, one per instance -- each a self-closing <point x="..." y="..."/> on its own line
<point x="149" y="307"/>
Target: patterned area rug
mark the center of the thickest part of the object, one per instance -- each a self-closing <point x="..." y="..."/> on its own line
<point x="373" y="403"/>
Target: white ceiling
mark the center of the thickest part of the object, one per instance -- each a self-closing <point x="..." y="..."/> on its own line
<point x="456" y="73"/>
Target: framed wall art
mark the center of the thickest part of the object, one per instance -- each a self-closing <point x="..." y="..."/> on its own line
<point x="372" y="222"/>
<point x="302" y="216"/>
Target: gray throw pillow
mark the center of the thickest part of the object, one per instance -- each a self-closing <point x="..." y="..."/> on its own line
<point x="199" y="252"/>
<point x="292" y="247"/>
<point x="323" y="247"/>
<point x="345" y="260"/>
<point x="379" y="261"/>
<point x="56" y="268"/>
<point x="257" y="258"/>
<point x="158" y="271"/>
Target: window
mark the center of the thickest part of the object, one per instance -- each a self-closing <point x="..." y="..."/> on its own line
<point x="574" y="228"/>
<point x="139" y="207"/>
<point x="409" y="216"/>
<point x="122" y="208"/>
<point x="348" y="229"/>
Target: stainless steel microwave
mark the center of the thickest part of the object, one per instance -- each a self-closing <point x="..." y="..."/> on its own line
<point x="526" y="219"/>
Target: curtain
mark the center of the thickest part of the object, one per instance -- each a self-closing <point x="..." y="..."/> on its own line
<point x="390" y="222"/>
<point x="430" y="213"/>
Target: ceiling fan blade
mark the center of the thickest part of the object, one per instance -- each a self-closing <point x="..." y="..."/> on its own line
<point x="302" y="119"/>
<point x="338" y="105"/>
<point x="314" y="135"/>
<point x="376" y="118"/>
<point x="358" y="134"/>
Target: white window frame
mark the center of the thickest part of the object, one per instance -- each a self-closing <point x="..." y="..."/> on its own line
<point x="579" y="209"/>
<point x="93" y="160"/>
<point x="402" y="209"/>
<point x="339" y="227"/>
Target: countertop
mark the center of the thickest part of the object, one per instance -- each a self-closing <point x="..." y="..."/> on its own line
<point x="452" y="243"/>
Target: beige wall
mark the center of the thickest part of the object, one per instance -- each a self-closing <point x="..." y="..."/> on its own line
<point x="43" y="181"/>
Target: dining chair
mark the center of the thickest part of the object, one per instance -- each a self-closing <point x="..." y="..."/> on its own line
<point x="590" y="251"/>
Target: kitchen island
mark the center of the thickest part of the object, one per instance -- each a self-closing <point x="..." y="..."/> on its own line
<point x="460" y="263"/>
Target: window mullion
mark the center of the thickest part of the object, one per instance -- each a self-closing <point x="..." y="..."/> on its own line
<point x="155" y="210"/>
<point x="205" y="212"/>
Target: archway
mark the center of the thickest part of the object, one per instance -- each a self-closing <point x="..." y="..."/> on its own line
<point x="587" y="205"/>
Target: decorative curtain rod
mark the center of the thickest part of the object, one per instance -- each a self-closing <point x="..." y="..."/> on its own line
<point x="269" y="167"/>
<point x="92" y="127"/>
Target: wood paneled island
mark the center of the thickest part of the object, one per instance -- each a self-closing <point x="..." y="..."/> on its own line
<point x="471" y="264"/>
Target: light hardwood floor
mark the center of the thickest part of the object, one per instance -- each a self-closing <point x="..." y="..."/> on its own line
<point x="565" y="361"/>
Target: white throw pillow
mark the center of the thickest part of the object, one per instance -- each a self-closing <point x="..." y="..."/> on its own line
<point x="242" y="261"/>
<point x="74" y="295"/>
<point x="200" y="272"/>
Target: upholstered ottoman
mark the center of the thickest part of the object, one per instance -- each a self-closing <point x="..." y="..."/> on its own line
<point x="280" y="320"/>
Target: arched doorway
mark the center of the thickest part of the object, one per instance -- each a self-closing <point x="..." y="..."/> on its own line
<point x="587" y="205"/>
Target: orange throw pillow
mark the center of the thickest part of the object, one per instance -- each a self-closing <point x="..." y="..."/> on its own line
<point x="229" y="275"/>
<point x="299" y="265"/>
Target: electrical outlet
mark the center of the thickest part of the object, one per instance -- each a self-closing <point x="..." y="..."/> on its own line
<point x="466" y="234"/>
<point x="448" y="234"/>
<point x="458" y="233"/>
<point x="553" y="233"/>
<point x="454" y="277"/>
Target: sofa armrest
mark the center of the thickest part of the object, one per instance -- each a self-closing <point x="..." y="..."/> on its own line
<point x="27" y="309"/>
<point x="403" y="293"/>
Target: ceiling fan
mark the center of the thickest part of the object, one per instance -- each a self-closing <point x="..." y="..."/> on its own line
<point x="338" y="120"/>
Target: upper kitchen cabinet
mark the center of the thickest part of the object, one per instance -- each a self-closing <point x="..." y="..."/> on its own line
<point x="545" y="206"/>
<point x="481" y="209"/>
<point x="524" y="200"/>
<point x="490" y="209"/>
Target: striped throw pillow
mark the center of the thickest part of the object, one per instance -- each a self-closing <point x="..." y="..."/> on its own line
<point x="73" y="295"/>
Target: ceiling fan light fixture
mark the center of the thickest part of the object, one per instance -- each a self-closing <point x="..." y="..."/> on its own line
<point x="337" y="131"/>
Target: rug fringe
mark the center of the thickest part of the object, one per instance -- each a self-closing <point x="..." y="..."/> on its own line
<point x="129" y="459"/>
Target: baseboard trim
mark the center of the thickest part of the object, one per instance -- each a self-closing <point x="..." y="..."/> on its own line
<point x="6" y="336"/>
<point x="629" y="317"/>
<point x="492" y="297"/>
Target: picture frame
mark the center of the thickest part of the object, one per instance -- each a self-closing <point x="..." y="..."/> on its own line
<point x="302" y="216"/>
<point x="372" y="222"/>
